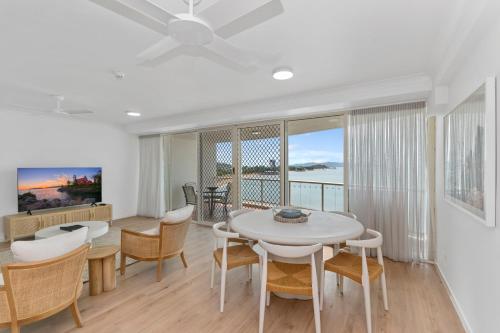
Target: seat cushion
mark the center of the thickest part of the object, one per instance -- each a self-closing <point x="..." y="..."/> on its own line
<point x="289" y="278"/>
<point x="155" y="231"/>
<point x="237" y="255"/>
<point x="238" y="240"/>
<point x="41" y="249"/>
<point x="349" y="265"/>
<point x="178" y="215"/>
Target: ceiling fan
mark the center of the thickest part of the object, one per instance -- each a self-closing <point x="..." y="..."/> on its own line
<point x="58" y="108"/>
<point x="203" y="34"/>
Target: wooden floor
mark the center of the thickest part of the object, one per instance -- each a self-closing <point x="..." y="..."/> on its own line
<point x="183" y="301"/>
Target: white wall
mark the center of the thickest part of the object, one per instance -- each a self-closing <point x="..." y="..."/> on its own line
<point x="48" y="141"/>
<point x="183" y="166"/>
<point x="468" y="253"/>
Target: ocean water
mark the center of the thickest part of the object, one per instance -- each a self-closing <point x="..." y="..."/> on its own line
<point x="308" y="189"/>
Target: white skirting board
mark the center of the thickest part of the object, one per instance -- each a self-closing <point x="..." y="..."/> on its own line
<point x="454" y="301"/>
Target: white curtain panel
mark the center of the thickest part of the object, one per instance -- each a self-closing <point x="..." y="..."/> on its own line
<point x="151" y="201"/>
<point x="387" y="177"/>
<point x="166" y="170"/>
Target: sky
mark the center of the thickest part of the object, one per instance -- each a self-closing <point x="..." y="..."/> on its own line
<point x="315" y="147"/>
<point x="28" y="178"/>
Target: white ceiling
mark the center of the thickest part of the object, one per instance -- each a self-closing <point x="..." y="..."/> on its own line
<point x="71" y="48"/>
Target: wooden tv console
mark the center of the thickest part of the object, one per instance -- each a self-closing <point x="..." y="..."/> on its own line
<point x="24" y="225"/>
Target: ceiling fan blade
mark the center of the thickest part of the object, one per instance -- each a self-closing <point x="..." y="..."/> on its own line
<point x="158" y="50"/>
<point x="241" y="57"/>
<point x="230" y="52"/>
<point x="24" y="109"/>
<point x="230" y="17"/>
<point x="74" y="111"/>
<point x="142" y="12"/>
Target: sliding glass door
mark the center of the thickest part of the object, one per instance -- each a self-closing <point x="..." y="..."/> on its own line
<point x="260" y="166"/>
<point x="297" y="162"/>
<point x="216" y="171"/>
<point x="316" y="175"/>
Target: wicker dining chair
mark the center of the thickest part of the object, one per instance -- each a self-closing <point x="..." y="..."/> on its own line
<point x="290" y="278"/>
<point x="232" y="215"/>
<point x="229" y="257"/>
<point x="342" y="245"/>
<point x="33" y="291"/>
<point x="160" y="243"/>
<point x="360" y="269"/>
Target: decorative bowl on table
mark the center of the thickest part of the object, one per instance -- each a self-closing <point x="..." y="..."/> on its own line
<point x="290" y="215"/>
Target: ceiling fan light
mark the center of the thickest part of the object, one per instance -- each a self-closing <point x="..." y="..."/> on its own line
<point x="282" y="74"/>
<point x="133" y="114"/>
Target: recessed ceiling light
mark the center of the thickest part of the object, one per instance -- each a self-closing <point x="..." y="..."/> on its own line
<point x="133" y="114"/>
<point x="283" y="73"/>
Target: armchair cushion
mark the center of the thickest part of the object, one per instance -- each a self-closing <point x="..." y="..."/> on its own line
<point x="178" y="215"/>
<point x="155" y="231"/>
<point x="41" y="249"/>
<point x="172" y="216"/>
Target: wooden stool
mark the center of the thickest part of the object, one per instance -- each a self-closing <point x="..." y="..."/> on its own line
<point x="102" y="275"/>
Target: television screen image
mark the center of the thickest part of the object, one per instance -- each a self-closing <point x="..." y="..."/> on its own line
<point x="43" y="188"/>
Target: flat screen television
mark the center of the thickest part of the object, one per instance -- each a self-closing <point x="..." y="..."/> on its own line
<point x="45" y="188"/>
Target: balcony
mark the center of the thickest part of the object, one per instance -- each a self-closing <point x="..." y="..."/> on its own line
<point x="263" y="193"/>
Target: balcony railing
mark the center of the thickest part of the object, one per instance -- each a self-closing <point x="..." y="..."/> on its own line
<point x="325" y="196"/>
<point x="264" y="192"/>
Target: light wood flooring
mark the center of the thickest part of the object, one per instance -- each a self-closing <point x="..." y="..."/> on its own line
<point x="183" y="301"/>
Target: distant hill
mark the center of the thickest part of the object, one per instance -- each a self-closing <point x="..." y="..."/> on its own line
<point x="312" y="164"/>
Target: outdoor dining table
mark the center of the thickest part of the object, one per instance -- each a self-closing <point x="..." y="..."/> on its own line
<point x="211" y="196"/>
<point x="322" y="227"/>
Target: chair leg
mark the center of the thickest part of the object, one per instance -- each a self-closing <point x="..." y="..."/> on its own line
<point x="368" y="311"/>
<point x="184" y="262"/>
<point x="322" y="288"/>
<point x="262" y="308"/>
<point x="123" y="260"/>
<point x="384" y="291"/>
<point x="260" y="269"/>
<point x="249" y="272"/>
<point x="268" y="298"/>
<point x="316" y="307"/>
<point x="212" y="274"/>
<point x="338" y="279"/>
<point x="341" y="284"/>
<point x="159" y="269"/>
<point x="14" y="327"/>
<point x="222" y="288"/>
<point x="75" y="312"/>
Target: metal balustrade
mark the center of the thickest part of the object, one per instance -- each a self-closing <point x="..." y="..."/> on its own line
<point x="325" y="196"/>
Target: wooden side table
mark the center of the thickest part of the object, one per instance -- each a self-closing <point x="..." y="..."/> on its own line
<point x="102" y="275"/>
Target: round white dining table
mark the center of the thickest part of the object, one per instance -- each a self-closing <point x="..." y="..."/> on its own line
<point x="322" y="227"/>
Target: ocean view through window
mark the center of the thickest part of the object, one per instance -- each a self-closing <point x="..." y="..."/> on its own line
<point x="316" y="163"/>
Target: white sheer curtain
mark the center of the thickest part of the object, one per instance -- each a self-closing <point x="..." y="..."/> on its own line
<point x="166" y="169"/>
<point x="151" y="201"/>
<point x="387" y="177"/>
